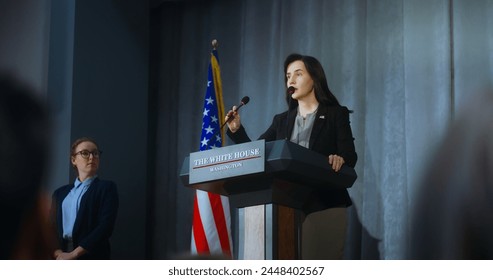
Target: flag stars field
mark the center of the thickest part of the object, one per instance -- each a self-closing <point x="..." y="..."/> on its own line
<point x="204" y="141"/>
<point x="209" y="130"/>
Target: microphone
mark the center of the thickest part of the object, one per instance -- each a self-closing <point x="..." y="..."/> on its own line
<point x="290" y="90"/>
<point x="244" y="101"/>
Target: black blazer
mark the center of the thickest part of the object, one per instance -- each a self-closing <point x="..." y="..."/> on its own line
<point x="95" y="220"/>
<point x="331" y="134"/>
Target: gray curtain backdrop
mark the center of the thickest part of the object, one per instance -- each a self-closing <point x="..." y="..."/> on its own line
<point x="404" y="67"/>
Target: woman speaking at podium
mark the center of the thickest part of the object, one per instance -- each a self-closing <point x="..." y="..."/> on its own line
<point x="314" y="120"/>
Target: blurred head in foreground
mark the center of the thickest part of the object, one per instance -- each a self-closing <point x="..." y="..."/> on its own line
<point x="24" y="134"/>
<point x="453" y="214"/>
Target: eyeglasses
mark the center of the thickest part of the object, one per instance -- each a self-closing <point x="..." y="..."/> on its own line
<point x="86" y="154"/>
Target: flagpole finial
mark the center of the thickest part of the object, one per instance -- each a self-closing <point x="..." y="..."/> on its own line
<point x="214" y="44"/>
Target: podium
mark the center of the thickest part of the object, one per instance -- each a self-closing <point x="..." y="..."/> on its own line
<point x="274" y="197"/>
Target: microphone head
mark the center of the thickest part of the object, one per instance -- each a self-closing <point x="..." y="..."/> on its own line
<point x="290" y="90"/>
<point x="245" y="100"/>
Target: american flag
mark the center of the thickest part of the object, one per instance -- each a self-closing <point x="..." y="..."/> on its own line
<point x="211" y="229"/>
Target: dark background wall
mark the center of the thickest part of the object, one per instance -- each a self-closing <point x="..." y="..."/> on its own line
<point x="90" y="59"/>
<point x="24" y="33"/>
<point x="132" y="75"/>
<point x="109" y="103"/>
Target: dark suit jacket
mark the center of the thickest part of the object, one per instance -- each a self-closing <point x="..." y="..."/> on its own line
<point x="331" y="134"/>
<point x="95" y="220"/>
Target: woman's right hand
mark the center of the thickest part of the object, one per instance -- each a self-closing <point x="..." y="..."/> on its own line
<point x="233" y="120"/>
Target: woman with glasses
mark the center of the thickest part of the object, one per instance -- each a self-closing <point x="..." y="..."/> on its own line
<point x="85" y="211"/>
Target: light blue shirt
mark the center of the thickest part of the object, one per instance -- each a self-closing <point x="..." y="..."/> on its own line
<point x="71" y="204"/>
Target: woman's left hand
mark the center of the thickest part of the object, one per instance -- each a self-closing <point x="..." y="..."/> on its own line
<point x="65" y="256"/>
<point x="336" y="162"/>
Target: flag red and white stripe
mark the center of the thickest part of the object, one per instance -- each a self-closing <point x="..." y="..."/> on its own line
<point x="211" y="224"/>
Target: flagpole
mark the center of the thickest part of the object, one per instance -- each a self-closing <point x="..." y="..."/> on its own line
<point x="211" y="228"/>
<point x="217" y="84"/>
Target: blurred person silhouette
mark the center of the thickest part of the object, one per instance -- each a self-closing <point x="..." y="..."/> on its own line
<point x="453" y="214"/>
<point x="85" y="211"/>
<point x="24" y="142"/>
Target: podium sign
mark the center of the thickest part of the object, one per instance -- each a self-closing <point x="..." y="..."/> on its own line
<point x="227" y="162"/>
<point x="273" y="185"/>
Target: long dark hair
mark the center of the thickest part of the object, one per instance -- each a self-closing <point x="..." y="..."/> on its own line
<point x="316" y="71"/>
